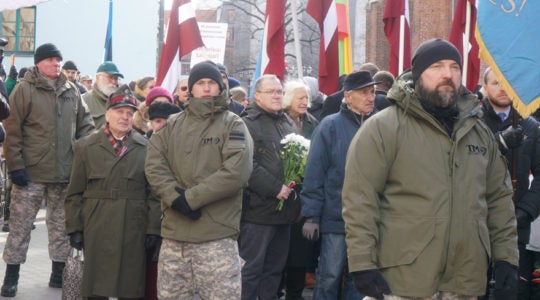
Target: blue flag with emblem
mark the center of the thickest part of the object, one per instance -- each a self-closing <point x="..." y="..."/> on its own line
<point x="508" y="34"/>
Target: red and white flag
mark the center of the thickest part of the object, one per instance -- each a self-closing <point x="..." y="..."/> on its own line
<point x="462" y="36"/>
<point x="183" y="36"/>
<point x="273" y="44"/>
<point x="324" y="12"/>
<point x="398" y="35"/>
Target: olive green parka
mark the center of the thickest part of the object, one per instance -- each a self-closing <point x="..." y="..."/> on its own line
<point x="429" y="210"/>
<point x="206" y="150"/>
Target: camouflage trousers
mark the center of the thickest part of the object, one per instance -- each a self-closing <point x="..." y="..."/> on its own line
<point x="437" y="296"/>
<point x="212" y="269"/>
<point x="25" y="204"/>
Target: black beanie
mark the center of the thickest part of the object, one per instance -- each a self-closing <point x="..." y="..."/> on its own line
<point x="162" y="110"/>
<point x="205" y="69"/>
<point x="430" y="52"/>
<point x="45" y="51"/>
<point x="70" y="65"/>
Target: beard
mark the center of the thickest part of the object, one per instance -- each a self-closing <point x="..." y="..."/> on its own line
<point x="106" y="88"/>
<point x="436" y="98"/>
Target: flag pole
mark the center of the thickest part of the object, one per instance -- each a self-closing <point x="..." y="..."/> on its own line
<point x="401" y="43"/>
<point x="466" y="43"/>
<point x="297" y="48"/>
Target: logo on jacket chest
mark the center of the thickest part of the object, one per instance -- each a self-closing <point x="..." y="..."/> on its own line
<point x="475" y="150"/>
<point x="210" y="140"/>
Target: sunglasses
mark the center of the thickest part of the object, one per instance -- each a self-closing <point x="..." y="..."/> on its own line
<point x="183" y="88"/>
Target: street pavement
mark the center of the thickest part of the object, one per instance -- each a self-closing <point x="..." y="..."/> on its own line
<point x="34" y="274"/>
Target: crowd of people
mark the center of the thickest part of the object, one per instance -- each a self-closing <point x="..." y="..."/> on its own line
<point x="414" y="187"/>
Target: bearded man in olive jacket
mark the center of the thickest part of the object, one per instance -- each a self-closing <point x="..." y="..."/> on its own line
<point x="109" y="210"/>
<point x="197" y="165"/>
<point x="47" y="116"/>
<point x="427" y="198"/>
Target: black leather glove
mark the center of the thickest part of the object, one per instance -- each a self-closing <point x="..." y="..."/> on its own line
<point x="523" y="218"/>
<point x="506" y="281"/>
<point x="76" y="240"/>
<point x="19" y="177"/>
<point x="151" y="241"/>
<point x="180" y="204"/>
<point x="310" y="230"/>
<point x="371" y="283"/>
<point x="511" y="137"/>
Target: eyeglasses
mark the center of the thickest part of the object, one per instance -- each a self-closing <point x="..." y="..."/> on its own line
<point x="183" y="88"/>
<point x="273" y="92"/>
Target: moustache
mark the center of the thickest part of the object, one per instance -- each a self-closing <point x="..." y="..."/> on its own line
<point x="447" y="82"/>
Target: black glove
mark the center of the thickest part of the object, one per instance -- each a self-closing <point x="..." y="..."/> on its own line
<point x="180" y="204"/>
<point x="151" y="241"/>
<point x="371" y="283"/>
<point x="511" y="137"/>
<point x="523" y="218"/>
<point x="13" y="73"/>
<point x="506" y="281"/>
<point x="76" y="240"/>
<point x="19" y="177"/>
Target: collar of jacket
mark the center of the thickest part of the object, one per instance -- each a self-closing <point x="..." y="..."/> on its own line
<point x="207" y="107"/>
<point x="34" y="77"/>
<point x="353" y="116"/>
<point x="255" y="111"/>
<point x="133" y="138"/>
<point x="403" y="94"/>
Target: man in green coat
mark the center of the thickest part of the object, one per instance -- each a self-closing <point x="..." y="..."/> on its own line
<point x="109" y="211"/>
<point x="427" y="199"/>
<point x="197" y="165"/>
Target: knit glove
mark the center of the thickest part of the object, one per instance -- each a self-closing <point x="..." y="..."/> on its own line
<point x="180" y="204"/>
<point x="76" y="240"/>
<point x="310" y="230"/>
<point x="151" y="241"/>
<point x="506" y="281"/>
<point x="371" y="283"/>
<point x="523" y="218"/>
<point x="19" y="177"/>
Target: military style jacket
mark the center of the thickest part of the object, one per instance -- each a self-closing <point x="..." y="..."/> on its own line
<point x="429" y="210"/>
<point x="206" y="150"/>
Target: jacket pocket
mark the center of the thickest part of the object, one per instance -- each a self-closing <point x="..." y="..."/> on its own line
<point x="408" y="235"/>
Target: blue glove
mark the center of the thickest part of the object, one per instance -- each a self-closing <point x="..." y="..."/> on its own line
<point x="180" y="204"/>
<point x="19" y="177"/>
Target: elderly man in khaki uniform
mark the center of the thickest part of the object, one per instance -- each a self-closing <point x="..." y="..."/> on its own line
<point x="109" y="210"/>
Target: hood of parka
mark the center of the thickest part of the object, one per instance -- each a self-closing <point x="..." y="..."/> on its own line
<point x="207" y="107"/>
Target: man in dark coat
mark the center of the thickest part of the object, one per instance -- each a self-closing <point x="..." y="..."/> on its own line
<point x="109" y="210"/>
<point x="523" y="157"/>
<point x="265" y="230"/>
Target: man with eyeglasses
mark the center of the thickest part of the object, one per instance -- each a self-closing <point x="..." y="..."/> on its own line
<point x="265" y="230"/>
<point x="107" y="82"/>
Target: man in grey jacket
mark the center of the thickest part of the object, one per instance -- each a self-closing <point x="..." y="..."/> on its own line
<point x="47" y="116"/>
<point x="427" y="199"/>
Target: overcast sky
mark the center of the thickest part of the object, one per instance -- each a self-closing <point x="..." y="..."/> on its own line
<point x="201" y="4"/>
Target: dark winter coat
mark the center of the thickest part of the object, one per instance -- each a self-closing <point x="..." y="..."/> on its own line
<point x="109" y="201"/>
<point x="528" y="162"/>
<point x="267" y="178"/>
<point x="325" y="169"/>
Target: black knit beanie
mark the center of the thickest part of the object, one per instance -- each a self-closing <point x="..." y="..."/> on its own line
<point x="205" y="69"/>
<point x="430" y="52"/>
<point x="162" y="110"/>
<point x="45" y="51"/>
<point x="70" y="65"/>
